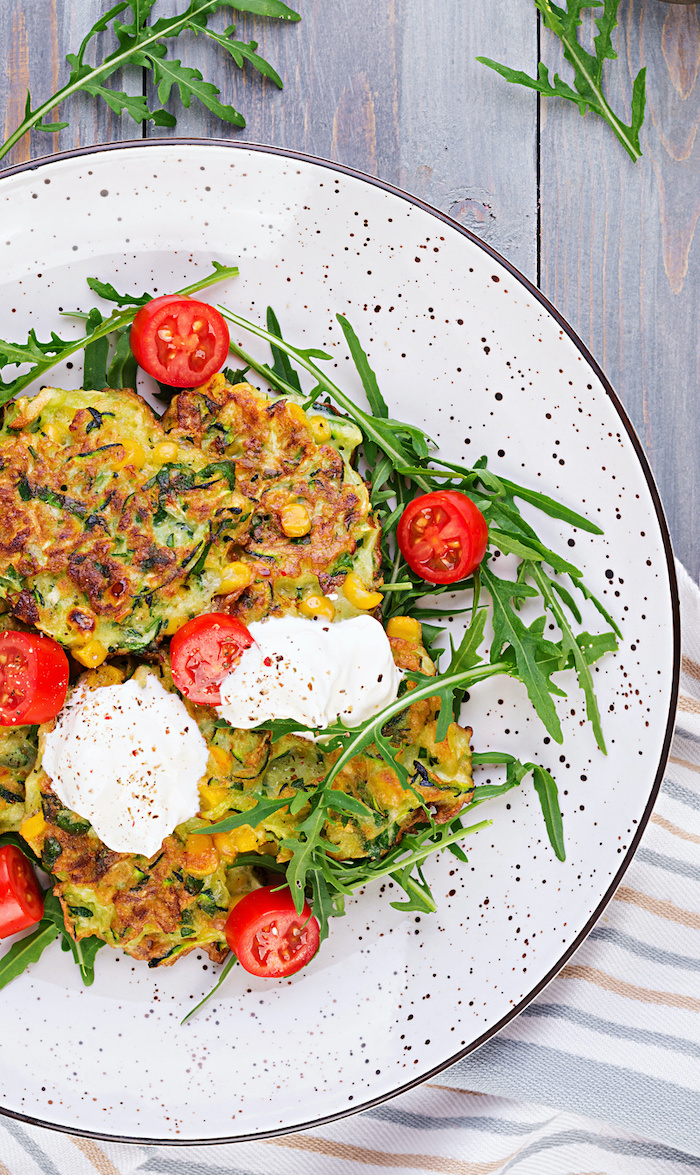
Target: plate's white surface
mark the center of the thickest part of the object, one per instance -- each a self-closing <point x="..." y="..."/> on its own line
<point x="462" y="347"/>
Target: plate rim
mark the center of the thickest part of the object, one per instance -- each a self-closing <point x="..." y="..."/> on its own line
<point x="535" y="292"/>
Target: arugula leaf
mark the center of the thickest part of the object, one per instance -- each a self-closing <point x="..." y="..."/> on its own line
<point x="122" y="370"/>
<point x="27" y="951"/>
<point x="142" y="43"/>
<point x="546" y="789"/>
<point x="242" y="53"/>
<point x="263" y="808"/>
<point x="587" y="92"/>
<point x="281" y="366"/>
<point x="96" y="354"/>
<point x="107" y="291"/>
<point x="84" y="950"/>
<point x="375" y="399"/>
<point x="525" y="642"/>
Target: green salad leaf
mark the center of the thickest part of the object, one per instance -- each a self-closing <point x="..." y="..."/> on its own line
<point x="587" y="91"/>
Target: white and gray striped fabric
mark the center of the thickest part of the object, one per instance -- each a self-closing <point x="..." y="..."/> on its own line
<point x="599" y="1076"/>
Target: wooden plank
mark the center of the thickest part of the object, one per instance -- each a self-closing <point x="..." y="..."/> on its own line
<point x="619" y="246"/>
<point x="37" y="35"/>
<point x="391" y="87"/>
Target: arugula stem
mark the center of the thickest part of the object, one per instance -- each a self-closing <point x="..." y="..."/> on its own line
<point x="418" y="855"/>
<point x="462" y="680"/>
<point x="228" y="966"/>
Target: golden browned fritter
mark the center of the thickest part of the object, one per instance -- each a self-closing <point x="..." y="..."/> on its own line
<point x="311" y="523"/>
<point x="109" y="532"/>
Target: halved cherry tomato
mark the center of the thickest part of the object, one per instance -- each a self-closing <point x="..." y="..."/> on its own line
<point x="33" y="678"/>
<point x="21" y="899"/>
<point x="442" y="536"/>
<point x="268" y="937"/>
<point x="204" y="651"/>
<point x="179" y="341"/>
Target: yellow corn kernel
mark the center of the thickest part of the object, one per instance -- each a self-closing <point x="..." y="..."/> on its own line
<point x="404" y="628"/>
<point x="201" y="856"/>
<point x="317" y="606"/>
<point x="105" y="675"/>
<point x="90" y="655"/>
<point x="133" y="455"/>
<point x="295" y="520"/>
<point x="297" y="412"/>
<point x="222" y="758"/>
<point x="239" y="840"/>
<point x="320" y="429"/>
<point x="33" y="827"/>
<point x="356" y="592"/>
<point x="165" y="451"/>
<point x="54" y="433"/>
<point x="211" y="796"/>
<point x="236" y="577"/>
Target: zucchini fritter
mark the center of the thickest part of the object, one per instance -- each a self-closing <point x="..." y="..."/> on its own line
<point x="311" y="522"/>
<point x="117" y="527"/>
<point x="110" y="534"/>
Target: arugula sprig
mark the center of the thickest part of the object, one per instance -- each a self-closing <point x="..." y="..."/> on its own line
<point x="145" y="45"/>
<point x="41" y="357"/>
<point x="587" y="91"/>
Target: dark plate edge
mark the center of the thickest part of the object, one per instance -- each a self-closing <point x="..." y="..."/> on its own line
<point x="34" y="165"/>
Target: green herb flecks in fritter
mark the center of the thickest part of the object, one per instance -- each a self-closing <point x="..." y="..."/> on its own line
<point x="111" y="535"/>
<point x="312" y="525"/>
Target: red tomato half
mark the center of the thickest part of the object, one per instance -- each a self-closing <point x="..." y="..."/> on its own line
<point x="204" y="651"/>
<point x="442" y="536"/>
<point x="268" y="937"/>
<point x="179" y="341"/>
<point x="21" y="899"/>
<point x="33" y="678"/>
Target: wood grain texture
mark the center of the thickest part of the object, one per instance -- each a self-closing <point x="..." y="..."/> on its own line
<point x="620" y="247"/>
<point x="391" y="87"/>
<point x="36" y="35"/>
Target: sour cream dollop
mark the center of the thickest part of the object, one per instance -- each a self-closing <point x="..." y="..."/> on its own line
<point x="128" y="758"/>
<point x="311" y="671"/>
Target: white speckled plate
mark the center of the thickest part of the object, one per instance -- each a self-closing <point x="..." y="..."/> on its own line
<point x="466" y="347"/>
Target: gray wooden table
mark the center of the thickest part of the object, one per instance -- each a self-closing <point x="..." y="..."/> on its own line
<point x="391" y="87"/>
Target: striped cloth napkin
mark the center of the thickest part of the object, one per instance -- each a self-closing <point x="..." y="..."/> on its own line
<point x="599" y="1076"/>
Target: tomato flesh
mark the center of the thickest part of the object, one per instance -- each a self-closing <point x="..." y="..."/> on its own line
<point x="204" y="651"/>
<point x="268" y="937"/>
<point x="21" y="899"/>
<point x="33" y="678"/>
<point x="442" y="536"/>
<point x="179" y="341"/>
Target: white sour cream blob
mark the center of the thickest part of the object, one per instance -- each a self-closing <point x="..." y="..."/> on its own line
<point x="127" y="758"/>
<point x="312" y="671"/>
